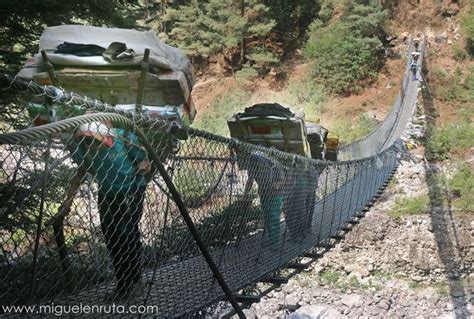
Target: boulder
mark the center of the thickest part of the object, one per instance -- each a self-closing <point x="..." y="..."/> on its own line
<point x="316" y="312"/>
<point x="351" y="300"/>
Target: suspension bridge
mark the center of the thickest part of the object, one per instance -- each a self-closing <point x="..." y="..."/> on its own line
<point x="205" y="232"/>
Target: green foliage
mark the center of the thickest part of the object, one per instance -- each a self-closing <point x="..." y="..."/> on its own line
<point x="262" y="58"/>
<point x="222" y="25"/>
<point x="245" y="74"/>
<point x="349" y="132"/>
<point x="309" y="97"/>
<point x="461" y="185"/>
<point x="454" y="138"/>
<point x="458" y="90"/>
<point x="326" y="11"/>
<point x="459" y="53"/>
<point x="186" y="31"/>
<point x="223" y="107"/>
<point x="346" y="53"/>
<point x="204" y="28"/>
<point x="331" y="277"/>
<point x="410" y="206"/>
<point x="453" y="87"/>
<point x="292" y="16"/>
<point x="23" y="21"/>
<point x="467" y="27"/>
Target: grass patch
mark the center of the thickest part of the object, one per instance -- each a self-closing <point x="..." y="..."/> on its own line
<point x="349" y="132"/>
<point x="413" y="284"/>
<point x="304" y="95"/>
<point x="449" y="140"/>
<point x="393" y="183"/>
<point x="453" y="86"/>
<point x="332" y="277"/>
<point x="410" y="206"/>
<point x="467" y="28"/>
<point x="442" y="288"/>
<point x="461" y="187"/>
<point x="459" y="53"/>
<point x="214" y="120"/>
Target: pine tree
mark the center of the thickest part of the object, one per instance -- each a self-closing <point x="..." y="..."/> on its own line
<point x="186" y="32"/>
<point x="257" y="26"/>
<point x="220" y="25"/>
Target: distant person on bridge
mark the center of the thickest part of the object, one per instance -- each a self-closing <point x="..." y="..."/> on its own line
<point x="414" y="64"/>
<point x="416" y="44"/>
<point x="120" y="165"/>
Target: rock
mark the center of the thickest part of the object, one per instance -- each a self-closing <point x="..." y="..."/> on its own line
<point x="316" y="312"/>
<point x="364" y="272"/>
<point x="292" y="299"/>
<point x="375" y="311"/>
<point x="450" y="10"/>
<point x="384" y="304"/>
<point x="442" y="38"/>
<point x="351" y="300"/>
<point x="250" y="314"/>
<point x="288" y="288"/>
<point x="416" y="278"/>
<point x="449" y="306"/>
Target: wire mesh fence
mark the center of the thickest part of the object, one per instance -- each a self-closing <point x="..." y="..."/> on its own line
<point x="87" y="215"/>
<point x="390" y="129"/>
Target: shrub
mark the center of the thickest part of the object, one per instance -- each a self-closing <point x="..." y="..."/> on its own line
<point x="449" y="140"/>
<point x="331" y="277"/>
<point x="349" y="132"/>
<point x="245" y="74"/>
<point x="346" y="54"/>
<point x="467" y="27"/>
<point x="410" y="206"/>
<point x="461" y="185"/>
<point x="214" y="120"/>
<point x="459" y="53"/>
<point x="306" y="95"/>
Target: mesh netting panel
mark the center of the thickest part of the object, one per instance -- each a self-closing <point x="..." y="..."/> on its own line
<point x="87" y="216"/>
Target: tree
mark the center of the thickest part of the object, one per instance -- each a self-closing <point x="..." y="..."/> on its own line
<point x="23" y="22"/>
<point x="257" y="25"/>
<point x="347" y="53"/>
<point x="186" y="28"/>
<point x="292" y="16"/>
<point x="223" y="26"/>
<point x="218" y="26"/>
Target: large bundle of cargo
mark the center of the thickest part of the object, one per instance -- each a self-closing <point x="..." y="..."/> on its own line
<point x="270" y="125"/>
<point x="127" y="68"/>
<point x="273" y="125"/>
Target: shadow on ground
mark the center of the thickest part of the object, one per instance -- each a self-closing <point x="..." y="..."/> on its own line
<point x="441" y="212"/>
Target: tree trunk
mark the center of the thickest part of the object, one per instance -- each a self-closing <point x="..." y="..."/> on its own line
<point x="242" y="40"/>
<point x="163" y="11"/>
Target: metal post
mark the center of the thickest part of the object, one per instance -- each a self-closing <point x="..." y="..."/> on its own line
<point x="40" y="221"/>
<point x="141" y="83"/>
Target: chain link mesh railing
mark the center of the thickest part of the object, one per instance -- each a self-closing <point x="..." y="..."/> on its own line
<point x="88" y="214"/>
<point x="390" y="129"/>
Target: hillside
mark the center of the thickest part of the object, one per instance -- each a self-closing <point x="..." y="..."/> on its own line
<point x="106" y="205"/>
<point x="412" y="255"/>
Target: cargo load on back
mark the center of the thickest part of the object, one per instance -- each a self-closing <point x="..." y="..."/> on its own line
<point x="129" y="69"/>
<point x="273" y="125"/>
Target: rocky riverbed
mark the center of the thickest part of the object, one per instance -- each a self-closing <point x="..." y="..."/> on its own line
<point x="386" y="267"/>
